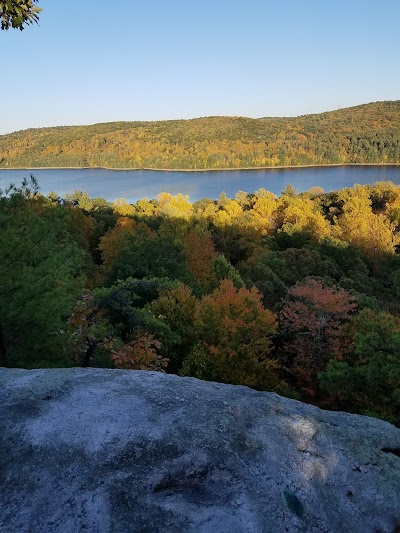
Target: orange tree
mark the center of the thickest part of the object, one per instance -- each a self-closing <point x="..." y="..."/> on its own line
<point x="200" y="253"/>
<point x="311" y="323"/>
<point x="235" y="332"/>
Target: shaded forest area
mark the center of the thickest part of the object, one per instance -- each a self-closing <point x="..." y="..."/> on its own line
<point x="364" y="134"/>
<point x="297" y="294"/>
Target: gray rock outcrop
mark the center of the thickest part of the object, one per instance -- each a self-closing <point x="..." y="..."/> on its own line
<point x="122" y="451"/>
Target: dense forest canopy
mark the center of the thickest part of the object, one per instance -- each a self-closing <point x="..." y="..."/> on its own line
<point x="298" y="294"/>
<point x="363" y="134"/>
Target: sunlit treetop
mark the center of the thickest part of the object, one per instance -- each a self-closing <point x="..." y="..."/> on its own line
<point x="18" y="13"/>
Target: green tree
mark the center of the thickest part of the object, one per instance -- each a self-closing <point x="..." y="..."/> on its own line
<point x="176" y="308"/>
<point x="269" y="273"/>
<point x="40" y="277"/>
<point x="18" y="13"/>
<point x="145" y="253"/>
<point x="367" y="379"/>
<point x="223" y="269"/>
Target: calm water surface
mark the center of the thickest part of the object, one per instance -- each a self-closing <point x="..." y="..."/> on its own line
<point x="136" y="184"/>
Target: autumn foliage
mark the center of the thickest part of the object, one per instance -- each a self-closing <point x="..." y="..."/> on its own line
<point x="141" y="353"/>
<point x="363" y="134"/>
<point x="200" y="254"/>
<point x="312" y="318"/>
<point x="298" y="294"/>
<point x="236" y="338"/>
<point x="114" y="239"/>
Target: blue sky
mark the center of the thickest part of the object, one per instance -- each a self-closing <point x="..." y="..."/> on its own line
<point x="98" y="61"/>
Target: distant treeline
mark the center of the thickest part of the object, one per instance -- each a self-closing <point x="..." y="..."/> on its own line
<point x="363" y="134"/>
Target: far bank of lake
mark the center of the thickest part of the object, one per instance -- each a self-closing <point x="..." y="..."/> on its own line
<point x="136" y="184"/>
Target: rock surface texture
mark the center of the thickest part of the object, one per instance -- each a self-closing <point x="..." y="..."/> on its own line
<point x="122" y="451"/>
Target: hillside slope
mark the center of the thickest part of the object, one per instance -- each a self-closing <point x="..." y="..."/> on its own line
<point x="367" y="133"/>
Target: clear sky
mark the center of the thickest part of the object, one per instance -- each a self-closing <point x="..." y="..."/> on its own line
<point x="99" y="61"/>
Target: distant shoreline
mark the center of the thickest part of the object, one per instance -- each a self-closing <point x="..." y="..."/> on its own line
<point x="209" y="169"/>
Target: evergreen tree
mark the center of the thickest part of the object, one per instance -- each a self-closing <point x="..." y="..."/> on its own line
<point x="41" y="269"/>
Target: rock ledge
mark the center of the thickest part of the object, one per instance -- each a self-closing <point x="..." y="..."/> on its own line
<point x="122" y="451"/>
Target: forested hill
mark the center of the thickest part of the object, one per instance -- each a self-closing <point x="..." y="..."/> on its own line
<point x="367" y="133"/>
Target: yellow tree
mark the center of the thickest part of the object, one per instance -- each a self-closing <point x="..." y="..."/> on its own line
<point x="145" y="208"/>
<point x="372" y="233"/>
<point x="122" y="208"/>
<point x="262" y="216"/>
<point x="297" y="214"/>
<point x="386" y="197"/>
<point x="234" y="210"/>
<point x="174" y="206"/>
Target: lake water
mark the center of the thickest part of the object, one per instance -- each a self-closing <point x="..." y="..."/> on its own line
<point x="136" y="184"/>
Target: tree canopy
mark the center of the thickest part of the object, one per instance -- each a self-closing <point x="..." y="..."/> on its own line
<point x="295" y="294"/>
